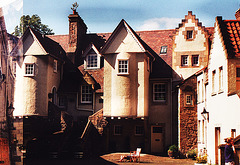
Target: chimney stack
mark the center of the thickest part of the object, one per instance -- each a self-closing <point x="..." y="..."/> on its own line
<point x="77" y="33"/>
<point x="237" y="14"/>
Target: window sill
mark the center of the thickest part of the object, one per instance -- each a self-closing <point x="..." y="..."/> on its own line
<point x="123" y="74"/>
<point x="220" y="91"/>
<point x="29" y="75"/>
<point x="213" y="94"/>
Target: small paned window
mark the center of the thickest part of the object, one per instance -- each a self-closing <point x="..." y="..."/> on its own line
<point x="189" y="34"/>
<point x="163" y="50"/>
<point x="189" y="100"/>
<point x="92" y="61"/>
<point x="159" y="92"/>
<point x="117" y="130"/>
<point x="195" y="60"/>
<point x="184" y="60"/>
<point x="29" y="69"/>
<point x="123" y="66"/>
<point x="86" y="91"/>
<point x="139" y="130"/>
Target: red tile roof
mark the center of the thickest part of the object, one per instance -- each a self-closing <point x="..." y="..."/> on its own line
<point x="61" y="39"/>
<point x="97" y="75"/>
<point x="230" y="30"/>
<point x="233" y="29"/>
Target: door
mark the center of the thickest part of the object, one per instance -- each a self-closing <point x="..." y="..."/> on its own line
<point x="157" y="139"/>
<point x="217" y="143"/>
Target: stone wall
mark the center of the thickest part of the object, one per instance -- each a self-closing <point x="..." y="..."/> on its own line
<point x="188" y="116"/>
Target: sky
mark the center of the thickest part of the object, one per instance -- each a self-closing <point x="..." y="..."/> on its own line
<point x="104" y="15"/>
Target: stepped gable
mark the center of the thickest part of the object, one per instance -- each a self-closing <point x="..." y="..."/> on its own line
<point x="230" y="35"/>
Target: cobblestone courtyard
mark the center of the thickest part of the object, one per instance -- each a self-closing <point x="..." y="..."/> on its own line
<point x="112" y="159"/>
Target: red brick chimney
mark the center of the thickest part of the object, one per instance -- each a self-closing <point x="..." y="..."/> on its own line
<point x="77" y="33"/>
<point x="237" y="14"/>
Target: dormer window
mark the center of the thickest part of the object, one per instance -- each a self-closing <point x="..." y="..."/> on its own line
<point x="163" y="50"/>
<point x="92" y="61"/>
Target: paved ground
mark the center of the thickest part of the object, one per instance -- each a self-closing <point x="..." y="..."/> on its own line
<point x="112" y="159"/>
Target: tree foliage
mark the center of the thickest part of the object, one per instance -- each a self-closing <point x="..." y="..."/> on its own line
<point x="33" y="22"/>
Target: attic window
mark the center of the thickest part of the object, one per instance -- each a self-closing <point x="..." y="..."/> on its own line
<point x="92" y="61"/>
<point x="163" y="50"/>
<point x="189" y="34"/>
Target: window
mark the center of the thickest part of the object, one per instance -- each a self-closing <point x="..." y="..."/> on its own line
<point x="199" y="134"/>
<point x="198" y="91"/>
<point x="184" y="60"/>
<point x="203" y="131"/>
<point x="233" y="133"/>
<point x="123" y="66"/>
<point x="86" y="91"/>
<point x="92" y="61"/>
<point x="220" y="78"/>
<point x="238" y="78"/>
<point x="189" y="34"/>
<point x="195" y="61"/>
<point x="159" y="92"/>
<point x="163" y="50"/>
<point x="29" y="69"/>
<point x="213" y="81"/>
<point x="55" y="66"/>
<point x="117" y="130"/>
<point x="189" y="100"/>
<point x="139" y="130"/>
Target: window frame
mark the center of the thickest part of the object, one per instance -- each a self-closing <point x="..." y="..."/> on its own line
<point x="84" y="94"/>
<point x="121" y="68"/>
<point x="163" y="50"/>
<point x="189" y="34"/>
<point x="184" y="58"/>
<point x="115" y="132"/>
<point x="55" y="66"/>
<point x="95" y="61"/>
<point x="160" y="92"/>
<point x="32" y="70"/>
<point x="187" y="100"/>
<point x="193" y="60"/>
<point x="220" y="79"/>
<point x="213" y="82"/>
<point x="140" y="131"/>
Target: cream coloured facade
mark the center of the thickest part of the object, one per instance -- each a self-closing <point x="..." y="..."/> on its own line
<point x="222" y="97"/>
<point x="40" y="72"/>
<point x="191" y="47"/>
